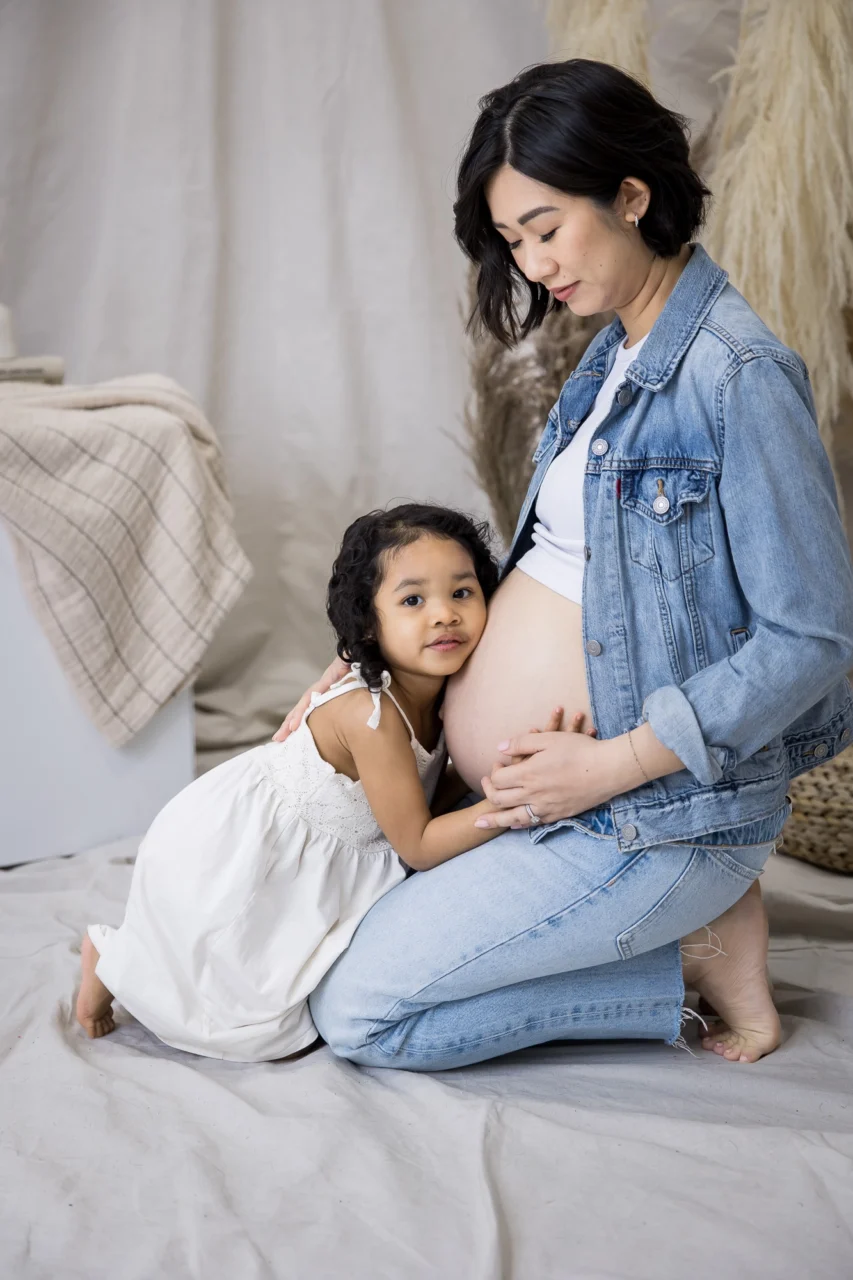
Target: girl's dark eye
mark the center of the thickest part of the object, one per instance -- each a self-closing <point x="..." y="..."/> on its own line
<point x="411" y="600"/>
<point x="462" y="593"/>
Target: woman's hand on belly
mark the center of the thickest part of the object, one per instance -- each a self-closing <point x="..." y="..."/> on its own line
<point x="558" y="773"/>
<point x="562" y="774"/>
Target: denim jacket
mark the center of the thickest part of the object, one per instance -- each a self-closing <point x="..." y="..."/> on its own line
<point x="718" y="588"/>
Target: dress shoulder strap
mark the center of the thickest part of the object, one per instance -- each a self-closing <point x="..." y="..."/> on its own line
<point x="355" y="680"/>
<point x="375" y="715"/>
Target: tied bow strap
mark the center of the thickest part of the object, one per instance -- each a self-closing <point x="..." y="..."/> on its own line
<point x="373" y="722"/>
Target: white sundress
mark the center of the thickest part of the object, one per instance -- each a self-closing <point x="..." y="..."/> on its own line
<point x="248" y="886"/>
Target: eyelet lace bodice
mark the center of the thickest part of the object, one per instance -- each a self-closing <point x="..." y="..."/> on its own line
<point x="329" y="801"/>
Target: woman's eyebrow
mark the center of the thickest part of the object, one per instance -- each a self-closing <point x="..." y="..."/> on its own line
<point x="532" y="213"/>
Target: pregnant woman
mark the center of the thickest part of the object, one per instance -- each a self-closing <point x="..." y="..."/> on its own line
<point x="679" y="572"/>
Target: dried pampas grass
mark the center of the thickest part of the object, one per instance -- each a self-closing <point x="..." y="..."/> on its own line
<point x="512" y="392"/>
<point x="608" y="30"/>
<point x="783" y="182"/>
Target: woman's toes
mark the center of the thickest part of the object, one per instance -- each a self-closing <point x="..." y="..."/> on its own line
<point x="734" y="1046"/>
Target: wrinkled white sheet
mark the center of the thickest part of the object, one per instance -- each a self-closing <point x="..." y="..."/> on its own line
<point x="122" y="1158"/>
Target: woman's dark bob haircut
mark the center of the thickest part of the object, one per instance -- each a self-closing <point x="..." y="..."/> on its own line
<point x="581" y="127"/>
<point x="357" y="572"/>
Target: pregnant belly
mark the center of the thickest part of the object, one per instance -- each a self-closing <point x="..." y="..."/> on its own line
<point x="530" y="659"/>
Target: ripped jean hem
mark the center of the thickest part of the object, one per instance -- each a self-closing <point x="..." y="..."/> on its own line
<point x="661" y="1019"/>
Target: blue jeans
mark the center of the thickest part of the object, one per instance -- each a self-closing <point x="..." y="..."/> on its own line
<point x="536" y="936"/>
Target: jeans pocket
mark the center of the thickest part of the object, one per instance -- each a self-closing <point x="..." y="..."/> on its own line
<point x="710" y="883"/>
<point x="745" y="860"/>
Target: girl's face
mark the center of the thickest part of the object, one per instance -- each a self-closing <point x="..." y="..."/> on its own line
<point x="429" y="607"/>
<point x="592" y="259"/>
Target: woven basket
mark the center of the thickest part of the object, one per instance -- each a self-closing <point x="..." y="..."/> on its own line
<point x="820" y="828"/>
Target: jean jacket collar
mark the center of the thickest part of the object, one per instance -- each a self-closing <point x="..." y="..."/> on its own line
<point x="696" y="290"/>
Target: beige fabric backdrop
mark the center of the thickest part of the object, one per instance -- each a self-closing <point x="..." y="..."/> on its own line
<point x="255" y="198"/>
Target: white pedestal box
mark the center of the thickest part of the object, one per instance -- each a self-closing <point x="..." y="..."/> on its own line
<point x="63" y="788"/>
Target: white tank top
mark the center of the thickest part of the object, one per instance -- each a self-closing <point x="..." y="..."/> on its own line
<point x="556" y="558"/>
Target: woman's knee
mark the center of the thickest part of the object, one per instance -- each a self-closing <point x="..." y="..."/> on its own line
<point x="341" y="1008"/>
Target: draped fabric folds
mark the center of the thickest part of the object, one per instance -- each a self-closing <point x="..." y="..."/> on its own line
<point x="255" y="200"/>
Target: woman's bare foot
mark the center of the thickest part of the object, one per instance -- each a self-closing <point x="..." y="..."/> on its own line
<point x="95" y="1002"/>
<point x="735" y="983"/>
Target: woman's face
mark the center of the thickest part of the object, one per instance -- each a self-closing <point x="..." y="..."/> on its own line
<point x="592" y="259"/>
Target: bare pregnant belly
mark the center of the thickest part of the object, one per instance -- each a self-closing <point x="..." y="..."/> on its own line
<point x="530" y="659"/>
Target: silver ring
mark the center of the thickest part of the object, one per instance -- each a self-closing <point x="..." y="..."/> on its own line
<point x="534" y="817"/>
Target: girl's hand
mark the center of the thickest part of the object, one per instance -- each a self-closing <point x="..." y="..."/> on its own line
<point x="336" y="670"/>
<point x="555" y="723"/>
<point x="559" y="774"/>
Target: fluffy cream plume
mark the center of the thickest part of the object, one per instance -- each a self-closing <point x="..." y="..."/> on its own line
<point x="608" y="30"/>
<point x="512" y="392"/>
<point x="783" y="183"/>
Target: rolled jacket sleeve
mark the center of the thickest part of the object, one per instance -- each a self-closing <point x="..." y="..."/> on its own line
<point x="792" y="560"/>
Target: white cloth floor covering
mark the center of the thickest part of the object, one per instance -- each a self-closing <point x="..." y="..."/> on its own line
<point x="121" y="1158"/>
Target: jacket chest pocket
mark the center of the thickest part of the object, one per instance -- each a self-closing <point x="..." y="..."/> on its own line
<point x="667" y="512"/>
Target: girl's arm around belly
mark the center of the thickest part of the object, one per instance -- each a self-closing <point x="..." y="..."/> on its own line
<point x="386" y="767"/>
<point x="450" y="790"/>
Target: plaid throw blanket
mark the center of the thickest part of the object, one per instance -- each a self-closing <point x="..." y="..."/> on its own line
<point x="116" y="500"/>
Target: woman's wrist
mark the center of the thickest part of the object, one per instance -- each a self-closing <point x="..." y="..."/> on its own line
<point x="637" y="757"/>
<point x="622" y="768"/>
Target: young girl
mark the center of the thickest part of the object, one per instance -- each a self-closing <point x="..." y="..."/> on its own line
<point x="251" y="882"/>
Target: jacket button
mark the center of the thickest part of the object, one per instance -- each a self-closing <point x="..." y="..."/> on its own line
<point x="587" y="553"/>
<point x="600" y="447"/>
<point x="821" y="750"/>
<point x="593" y="647"/>
<point x="661" y="504"/>
<point x="629" y="832"/>
<point x="624" y="395"/>
<point x="845" y="733"/>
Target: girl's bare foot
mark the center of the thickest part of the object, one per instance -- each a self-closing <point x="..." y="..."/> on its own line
<point x="736" y="983"/>
<point x="95" y="1002"/>
<point x="301" y="1053"/>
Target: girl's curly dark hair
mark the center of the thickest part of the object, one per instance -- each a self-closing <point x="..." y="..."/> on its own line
<point x="357" y="572"/>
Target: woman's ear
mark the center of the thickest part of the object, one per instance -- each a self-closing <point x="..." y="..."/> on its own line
<point x="633" y="199"/>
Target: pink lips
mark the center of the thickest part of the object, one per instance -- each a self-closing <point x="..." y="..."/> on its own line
<point x="563" y="295"/>
<point x="446" y="644"/>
